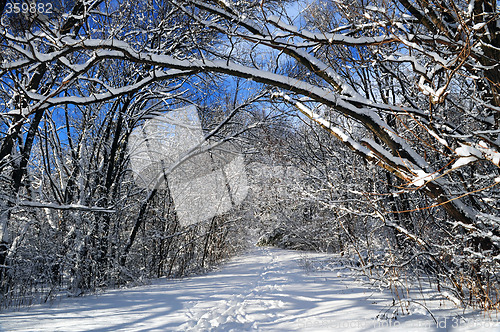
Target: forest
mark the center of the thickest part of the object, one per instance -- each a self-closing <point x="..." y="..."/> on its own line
<point x="156" y="138"/>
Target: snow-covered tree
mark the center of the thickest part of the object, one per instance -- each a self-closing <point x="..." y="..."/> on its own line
<point x="71" y="215"/>
<point x="421" y="79"/>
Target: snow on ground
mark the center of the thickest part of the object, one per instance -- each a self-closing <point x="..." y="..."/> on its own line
<point x="265" y="289"/>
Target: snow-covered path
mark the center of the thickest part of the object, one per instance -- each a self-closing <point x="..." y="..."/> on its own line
<point x="264" y="290"/>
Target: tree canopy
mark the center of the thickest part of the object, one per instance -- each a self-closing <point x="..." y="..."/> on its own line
<point x="412" y="87"/>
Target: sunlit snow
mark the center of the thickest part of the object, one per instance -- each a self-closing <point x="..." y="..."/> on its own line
<point x="263" y="290"/>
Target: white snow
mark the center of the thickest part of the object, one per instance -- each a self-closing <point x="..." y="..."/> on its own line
<point x="441" y="140"/>
<point x="479" y="26"/>
<point x="462" y="161"/>
<point x="263" y="290"/>
<point x="466" y="151"/>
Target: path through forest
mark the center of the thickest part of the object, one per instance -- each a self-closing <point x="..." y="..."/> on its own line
<point x="265" y="289"/>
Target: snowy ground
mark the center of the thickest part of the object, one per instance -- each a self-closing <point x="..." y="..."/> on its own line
<point x="264" y="290"/>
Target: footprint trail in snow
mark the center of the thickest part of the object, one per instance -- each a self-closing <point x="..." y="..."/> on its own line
<point x="252" y="304"/>
<point x="264" y="289"/>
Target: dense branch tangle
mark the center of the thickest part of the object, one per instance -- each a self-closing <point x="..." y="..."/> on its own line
<point x="73" y="167"/>
<point x="396" y="40"/>
<point x="388" y="37"/>
<point x="422" y="77"/>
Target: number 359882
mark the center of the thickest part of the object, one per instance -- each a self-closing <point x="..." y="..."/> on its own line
<point x="28" y="8"/>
